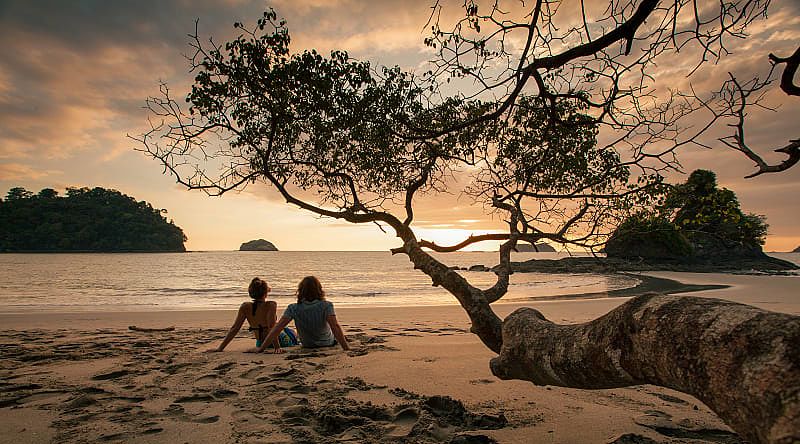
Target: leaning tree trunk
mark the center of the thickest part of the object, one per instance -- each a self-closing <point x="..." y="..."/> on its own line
<point x="741" y="361"/>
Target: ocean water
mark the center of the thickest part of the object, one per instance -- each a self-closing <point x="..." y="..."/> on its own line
<point x="218" y="280"/>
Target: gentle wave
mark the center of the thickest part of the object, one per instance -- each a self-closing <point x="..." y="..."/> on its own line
<point x="193" y="290"/>
<point x="214" y="280"/>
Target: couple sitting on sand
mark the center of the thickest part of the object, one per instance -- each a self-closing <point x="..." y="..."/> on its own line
<point x="313" y="316"/>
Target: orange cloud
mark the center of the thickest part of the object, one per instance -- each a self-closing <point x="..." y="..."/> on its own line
<point x="18" y="171"/>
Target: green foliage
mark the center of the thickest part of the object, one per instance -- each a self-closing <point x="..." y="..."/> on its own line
<point x="695" y="218"/>
<point x="84" y="220"/>
<point x="305" y="118"/>
<point x="647" y="235"/>
<point x="555" y="153"/>
<point x="18" y="193"/>
<point x="319" y="122"/>
<point x="698" y="206"/>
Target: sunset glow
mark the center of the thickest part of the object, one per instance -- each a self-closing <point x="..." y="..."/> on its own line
<point x="72" y="89"/>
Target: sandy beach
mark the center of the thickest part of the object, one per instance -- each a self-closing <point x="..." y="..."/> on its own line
<point x="414" y="375"/>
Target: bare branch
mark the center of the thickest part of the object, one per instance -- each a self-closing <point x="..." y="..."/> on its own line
<point x="787" y="78"/>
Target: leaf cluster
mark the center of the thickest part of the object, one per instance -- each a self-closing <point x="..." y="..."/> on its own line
<point x="698" y="206"/>
<point x="694" y="214"/>
<point x="552" y="147"/>
<point x="325" y="123"/>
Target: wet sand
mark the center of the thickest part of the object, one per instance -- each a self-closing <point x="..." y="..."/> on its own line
<point x="414" y="375"/>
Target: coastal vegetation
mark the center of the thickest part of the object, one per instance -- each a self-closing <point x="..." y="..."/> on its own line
<point x="562" y="138"/>
<point x="84" y="220"/>
<point x="696" y="220"/>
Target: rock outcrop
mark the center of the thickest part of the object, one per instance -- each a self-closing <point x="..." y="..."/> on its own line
<point x="765" y="264"/>
<point x="541" y="247"/>
<point x="258" y="245"/>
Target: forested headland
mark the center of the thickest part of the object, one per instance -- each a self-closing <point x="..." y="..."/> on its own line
<point x="84" y="220"/>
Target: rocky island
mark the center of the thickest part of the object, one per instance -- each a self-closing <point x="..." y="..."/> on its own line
<point x="84" y="220"/>
<point x="258" y="245"/>
<point x="698" y="228"/>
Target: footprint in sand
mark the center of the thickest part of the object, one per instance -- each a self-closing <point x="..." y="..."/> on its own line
<point x="111" y="375"/>
<point x="289" y="401"/>
<point x="92" y="390"/>
<point x="297" y="415"/>
<point x="225" y="367"/>
<point x="207" y="378"/>
<point x="253" y="372"/>
<point x="195" y="398"/>
<point x="224" y="393"/>
<point x="662" y="423"/>
<point x="404" y="421"/>
<point x="301" y="388"/>
<point x="283" y="373"/>
<point x="175" y="368"/>
<point x="114" y="437"/>
<point x="206" y="419"/>
<point x="152" y="431"/>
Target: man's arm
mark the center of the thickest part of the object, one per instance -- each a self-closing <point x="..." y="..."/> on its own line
<point x="337" y="332"/>
<point x="272" y="336"/>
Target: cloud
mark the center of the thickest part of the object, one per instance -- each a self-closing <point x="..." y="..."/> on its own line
<point x="77" y="73"/>
<point x="17" y="171"/>
<point x="74" y="76"/>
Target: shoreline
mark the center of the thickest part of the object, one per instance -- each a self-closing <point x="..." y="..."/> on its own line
<point x="414" y="375"/>
<point x="647" y="284"/>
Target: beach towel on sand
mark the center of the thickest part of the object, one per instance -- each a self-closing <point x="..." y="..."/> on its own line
<point x="288" y="338"/>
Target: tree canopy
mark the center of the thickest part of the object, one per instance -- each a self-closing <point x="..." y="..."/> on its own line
<point x="85" y="219"/>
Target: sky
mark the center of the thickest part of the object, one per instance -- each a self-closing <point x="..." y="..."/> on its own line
<point x="74" y="75"/>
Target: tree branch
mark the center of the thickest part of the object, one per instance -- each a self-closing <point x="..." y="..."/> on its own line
<point x="741" y="361"/>
<point x="787" y="78"/>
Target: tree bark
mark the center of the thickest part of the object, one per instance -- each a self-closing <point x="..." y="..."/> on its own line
<point x="741" y="361"/>
<point x="485" y="323"/>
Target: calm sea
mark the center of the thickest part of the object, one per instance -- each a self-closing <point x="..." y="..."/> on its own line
<point x="215" y="280"/>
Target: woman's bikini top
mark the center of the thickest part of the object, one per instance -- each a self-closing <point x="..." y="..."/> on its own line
<point x="260" y="328"/>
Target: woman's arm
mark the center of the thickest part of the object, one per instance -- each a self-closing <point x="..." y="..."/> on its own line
<point x="273" y="335"/>
<point x="337" y="332"/>
<point x="237" y="325"/>
<point x="272" y="318"/>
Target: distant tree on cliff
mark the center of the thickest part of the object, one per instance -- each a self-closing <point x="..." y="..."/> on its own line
<point x="696" y="219"/>
<point x="84" y="220"/>
<point x="342" y="139"/>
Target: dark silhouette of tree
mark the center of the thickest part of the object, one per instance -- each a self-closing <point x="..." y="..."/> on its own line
<point x="696" y="220"/>
<point x="343" y="139"/>
<point x="700" y="209"/>
<point x="84" y="220"/>
<point x="17" y="193"/>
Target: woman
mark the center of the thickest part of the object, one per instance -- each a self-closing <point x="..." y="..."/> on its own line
<point x="313" y="316"/>
<point x="260" y="315"/>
